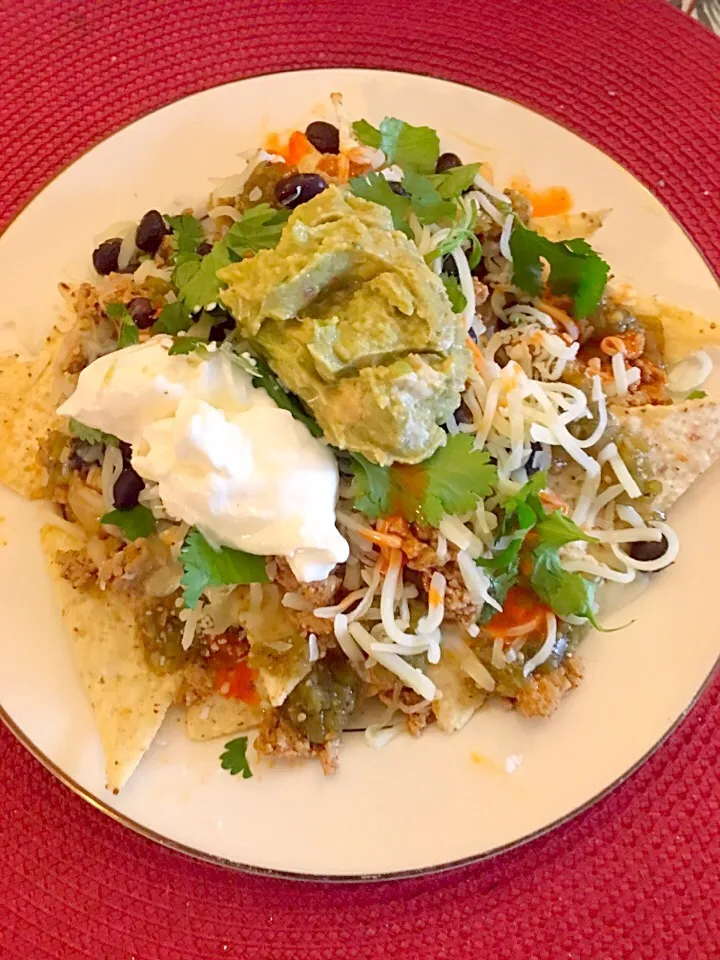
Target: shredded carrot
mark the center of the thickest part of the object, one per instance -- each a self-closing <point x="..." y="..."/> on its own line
<point x="551" y="499"/>
<point x="298" y="147"/>
<point x="388" y="540"/>
<point x="478" y="358"/>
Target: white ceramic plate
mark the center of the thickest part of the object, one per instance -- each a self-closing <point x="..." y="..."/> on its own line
<point x="415" y="805"/>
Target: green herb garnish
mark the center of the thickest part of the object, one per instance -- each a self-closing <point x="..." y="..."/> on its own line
<point x="128" y="333"/>
<point x="205" y="566"/>
<point x="374" y="187"/>
<point x="135" y="523"/>
<point x="575" y="269"/>
<point x="234" y="758"/>
<point x="457" y="298"/>
<point x="90" y="434"/>
<point x="412" y="148"/>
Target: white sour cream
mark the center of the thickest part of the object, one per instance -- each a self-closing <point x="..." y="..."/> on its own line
<point x="225" y="457"/>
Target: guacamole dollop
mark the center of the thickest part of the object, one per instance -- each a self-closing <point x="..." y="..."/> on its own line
<point x="353" y="321"/>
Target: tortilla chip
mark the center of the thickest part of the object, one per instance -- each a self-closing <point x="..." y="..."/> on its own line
<point x="129" y="701"/>
<point x="219" y="716"/>
<point x="27" y="414"/>
<point x="682" y="441"/>
<point x="567" y="226"/>
<point x="684" y="331"/>
<point x="276" y="686"/>
<point x="461" y="696"/>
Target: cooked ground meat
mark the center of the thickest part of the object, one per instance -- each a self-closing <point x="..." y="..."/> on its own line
<point x="77" y="568"/>
<point x="320" y="593"/>
<point x="276" y="738"/>
<point x="542" y="693"/>
<point x="128" y="566"/>
<point x="458" y="605"/>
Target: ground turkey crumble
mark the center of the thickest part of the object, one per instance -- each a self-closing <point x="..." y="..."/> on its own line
<point x="277" y="738"/>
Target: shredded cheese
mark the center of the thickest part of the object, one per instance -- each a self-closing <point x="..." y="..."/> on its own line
<point x="546" y="649"/>
<point x="410" y="676"/>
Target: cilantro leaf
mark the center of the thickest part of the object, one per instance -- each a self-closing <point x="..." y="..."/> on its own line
<point x="90" y="434"/>
<point x="412" y="148"/>
<point x="206" y="567"/>
<point x="188" y="233"/>
<point x="234" y="758"/>
<point x="457" y="298"/>
<point x="259" y="228"/>
<point x="128" y="333"/>
<point x="696" y="395"/>
<point x="456" y="476"/>
<point x="523" y="510"/>
<point x="374" y="187"/>
<point x="372" y="486"/>
<point x="567" y="594"/>
<point x="506" y="562"/>
<point x="575" y="269"/>
<point x="428" y="205"/>
<point x="450" y="481"/>
<point x="367" y="133"/>
<point x="456" y="181"/>
<point x="197" y="281"/>
<point x="555" y="530"/>
<point x="135" y="523"/>
<point x="185" y="345"/>
<point x="174" y="318"/>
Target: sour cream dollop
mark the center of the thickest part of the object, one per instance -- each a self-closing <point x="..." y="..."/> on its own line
<point x="225" y="457"/>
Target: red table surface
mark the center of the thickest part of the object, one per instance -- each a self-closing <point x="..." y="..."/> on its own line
<point x="637" y="875"/>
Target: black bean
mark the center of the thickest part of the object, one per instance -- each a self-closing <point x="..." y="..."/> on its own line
<point x="127" y="489"/>
<point x="398" y="188"/>
<point x="449" y="267"/>
<point x="150" y="232"/>
<point x="532" y="466"/>
<point x="323" y="136"/>
<point x="142" y="311"/>
<point x="447" y="161"/>
<point x="105" y="257"/>
<point x="204" y="248"/>
<point x="220" y="330"/>
<point x="648" y="550"/>
<point x="126" y="451"/>
<point x="298" y="188"/>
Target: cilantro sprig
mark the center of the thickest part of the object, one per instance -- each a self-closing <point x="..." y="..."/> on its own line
<point x="135" y="522"/>
<point x="204" y="566"/>
<point x="412" y="148"/>
<point x="90" y="434"/>
<point x="128" y="333"/>
<point x="451" y="481"/>
<point x="457" y="298"/>
<point x="527" y="525"/>
<point x="575" y="269"/>
<point x="374" y="187"/>
<point x="234" y="758"/>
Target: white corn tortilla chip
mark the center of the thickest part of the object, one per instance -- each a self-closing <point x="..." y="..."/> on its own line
<point x="568" y="226"/>
<point x="129" y="701"/>
<point x="679" y="441"/>
<point x="218" y="716"/>
<point x="684" y="331"/>
<point x="27" y="414"/>
<point x="461" y="696"/>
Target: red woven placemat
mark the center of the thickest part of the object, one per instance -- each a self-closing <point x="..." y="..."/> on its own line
<point x="637" y="875"/>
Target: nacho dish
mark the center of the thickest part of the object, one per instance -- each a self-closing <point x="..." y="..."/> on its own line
<point x="365" y="431"/>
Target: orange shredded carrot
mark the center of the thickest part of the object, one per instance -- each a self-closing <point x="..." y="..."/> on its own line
<point x="550" y="499"/>
<point x="388" y="540"/>
<point x="343" y="173"/>
<point x="298" y="147"/>
<point x="478" y="358"/>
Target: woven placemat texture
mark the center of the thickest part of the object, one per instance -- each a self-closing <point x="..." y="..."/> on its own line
<point x="637" y="875"/>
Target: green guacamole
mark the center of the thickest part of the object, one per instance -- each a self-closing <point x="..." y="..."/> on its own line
<point x="354" y="322"/>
